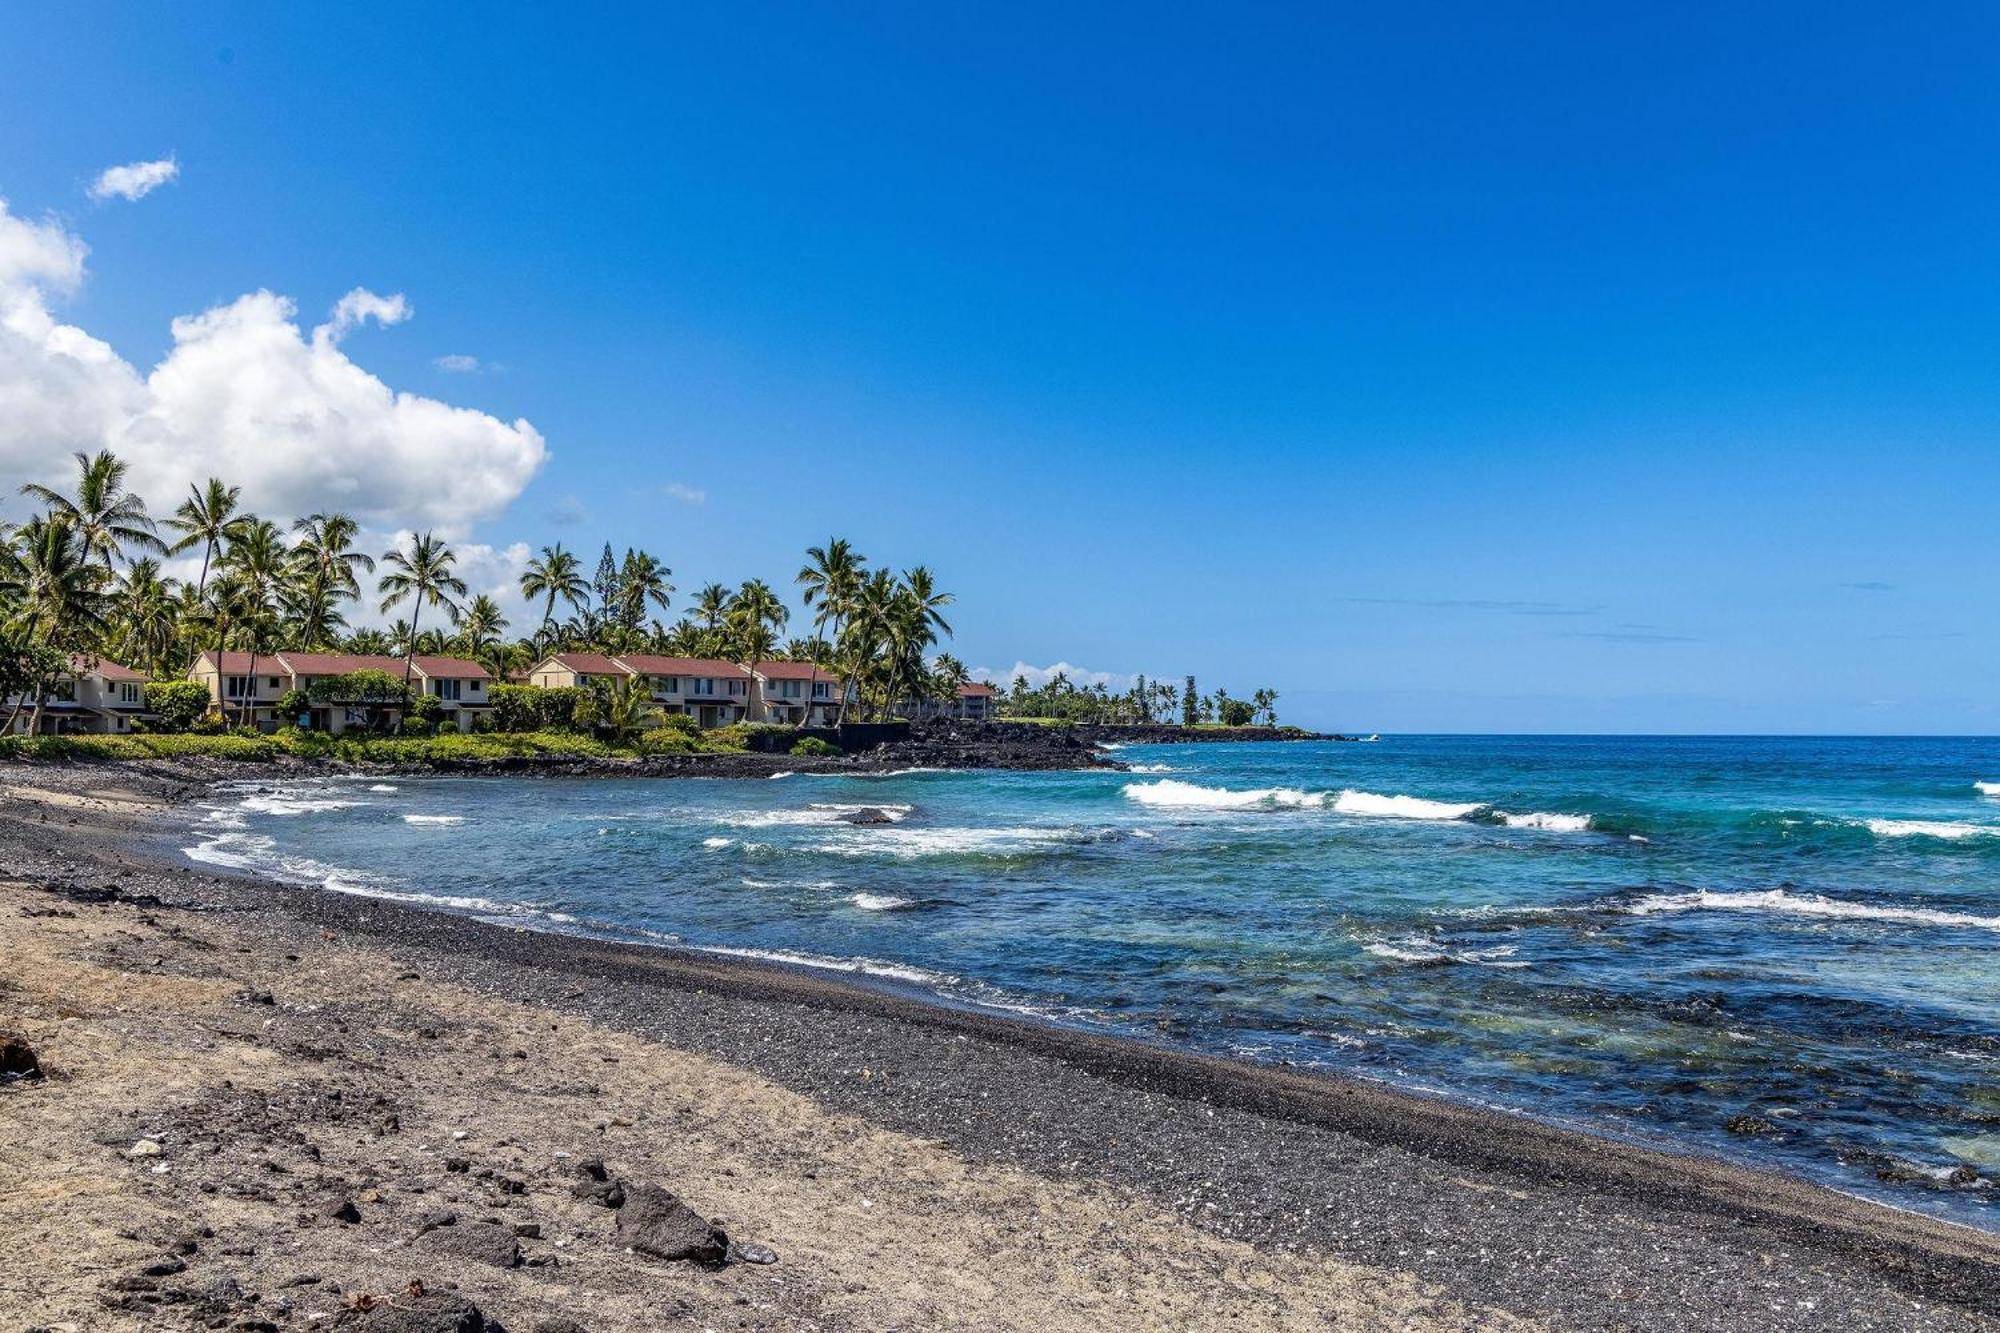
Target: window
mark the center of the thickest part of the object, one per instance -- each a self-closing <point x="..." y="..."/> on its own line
<point x="475" y="687"/>
<point x="704" y="685"/>
<point x="277" y="684"/>
<point x="671" y="684"/>
<point x="238" y="686"/>
<point x="821" y="690"/>
<point x="792" y="689"/>
<point x="128" y="693"/>
<point x="735" y="687"/>
<point x="448" y="689"/>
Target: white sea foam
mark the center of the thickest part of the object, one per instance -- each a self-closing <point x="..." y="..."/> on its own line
<point x="1401" y="807"/>
<point x="383" y="786"/>
<point x="1987" y="788"/>
<point x="873" y="967"/>
<point x="910" y="844"/>
<point x="877" y="902"/>
<point x="1416" y="949"/>
<point x="294" y="804"/>
<point x="716" y="844"/>
<point x="1807" y="904"/>
<point x="1930" y="828"/>
<point x="826" y="813"/>
<point x="1540" y="820"/>
<point x="786" y="774"/>
<point x="434" y="819"/>
<point x="1171" y="793"/>
<point x="1153" y="768"/>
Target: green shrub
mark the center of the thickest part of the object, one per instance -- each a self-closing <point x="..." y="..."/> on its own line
<point x="681" y="722"/>
<point x="538" y="707"/>
<point x="735" y="736"/>
<point x="1237" y="713"/>
<point x="176" y="705"/>
<point x="813" y="747"/>
<point x="153" y="746"/>
<point x="669" y="740"/>
<point x="294" y="704"/>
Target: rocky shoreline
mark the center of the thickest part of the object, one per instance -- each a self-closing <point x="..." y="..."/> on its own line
<point x="324" y="1079"/>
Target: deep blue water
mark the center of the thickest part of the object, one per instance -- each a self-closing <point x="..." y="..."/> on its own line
<point x="1650" y="936"/>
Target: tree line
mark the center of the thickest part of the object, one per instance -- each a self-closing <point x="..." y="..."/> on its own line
<point x="84" y="576"/>
<point x="1146" y="701"/>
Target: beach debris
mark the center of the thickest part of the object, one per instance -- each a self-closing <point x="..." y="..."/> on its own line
<point x="655" y="1222"/>
<point x="145" y="1148"/>
<point x="474" y="1242"/>
<point x="17" y="1059"/>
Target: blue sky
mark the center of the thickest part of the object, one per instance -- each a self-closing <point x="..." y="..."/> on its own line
<point x="1468" y="367"/>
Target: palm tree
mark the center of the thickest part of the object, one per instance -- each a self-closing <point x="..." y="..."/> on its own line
<point x="421" y="577"/>
<point x="830" y="578"/>
<point x="52" y="592"/>
<point x="208" y="518"/>
<point x="643" y="579"/>
<point x="106" y="516"/>
<point x="328" y="563"/>
<point x="711" y="604"/>
<point x="948" y="676"/>
<point x="367" y="643"/>
<point x="929" y="601"/>
<point x="257" y="562"/>
<point x="751" y="638"/>
<point x="479" y="631"/>
<point x="624" y="708"/>
<point x="554" y="574"/>
<point x="148" y="619"/>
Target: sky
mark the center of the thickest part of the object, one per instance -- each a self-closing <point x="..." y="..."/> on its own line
<point x="1492" y="368"/>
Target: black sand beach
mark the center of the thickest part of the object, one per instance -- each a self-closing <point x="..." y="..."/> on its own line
<point x="1239" y="1195"/>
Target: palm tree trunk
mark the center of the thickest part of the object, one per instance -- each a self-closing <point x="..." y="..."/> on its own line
<point x="409" y="660"/>
<point x="201" y="588"/>
<point x="247" y="714"/>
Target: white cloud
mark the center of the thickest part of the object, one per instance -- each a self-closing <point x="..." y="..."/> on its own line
<point x="134" y="180"/>
<point x="457" y="363"/>
<point x="1115" y="681"/>
<point x="685" y="494"/>
<point x="245" y="396"/>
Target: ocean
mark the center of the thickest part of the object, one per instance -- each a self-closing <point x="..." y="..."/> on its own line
<point x="1784" y="951"/>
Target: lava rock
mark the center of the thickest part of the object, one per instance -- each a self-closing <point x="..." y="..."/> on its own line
<point x="751" y="1253"/>
<point x="1752" y="1124"/>
<point x="433" y="1312"/>
<point x="344" y="1211"/>
<point x="17" y="1059"/>
<point x="597" y="1186"/>
<point x="478" y="1243"/>
<point x="867" y="817"/>
<point x="655" y="1222"/>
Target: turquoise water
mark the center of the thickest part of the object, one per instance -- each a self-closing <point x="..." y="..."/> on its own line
<point x="1649" y="936"/>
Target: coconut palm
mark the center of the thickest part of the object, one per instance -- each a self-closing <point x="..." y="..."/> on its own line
<point x="624" y="708"/>
<point x="642" y="579"/>
<point x="554" y="574"/>
<point x="712" y="604"/>
<point x="422" y="576"/>
<point x="106" y="516"/>
<point x="207" y="518"/>
<point x="479" y="631"/>
<point x="830" y="579"/>
<point x="52" y="592"/>
<point x="328" y="564"/>
<point x="147" y="618"/>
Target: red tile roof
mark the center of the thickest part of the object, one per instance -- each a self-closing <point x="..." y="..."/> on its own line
<point x="290" y="662"/>
<point x="975" y="689"/>
<point x="792" y="671"/>
<point x="648" y="665"/>
<point x="103" y="666"/>
<point x="588" y="664"/>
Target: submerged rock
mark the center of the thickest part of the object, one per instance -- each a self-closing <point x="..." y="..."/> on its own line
<point x="868" y="816"/>
<point x="655" y="1222"/>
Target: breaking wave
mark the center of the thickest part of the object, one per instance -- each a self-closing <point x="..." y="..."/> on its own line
<point x="434" y="819"/>
<point x="1171" y="793"/>
<point x="1415" y="949"/>
<point x="1805" y="904"/>
<point x="1930" y="828"/>
<point x="1988" y="788"/>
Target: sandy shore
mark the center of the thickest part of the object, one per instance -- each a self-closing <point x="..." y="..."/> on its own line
<point x="291" y="1051"/>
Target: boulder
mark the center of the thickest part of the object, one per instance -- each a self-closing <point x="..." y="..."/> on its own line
<point x="433" y="1312"/>
<point x="17" y="1059"/>
<point x="867" y="816"/>
<point x="656" y="1223"/>
<point x="477" y="1243"/>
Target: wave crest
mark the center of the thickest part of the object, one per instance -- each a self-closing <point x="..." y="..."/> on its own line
<point x="1806" y="904"/>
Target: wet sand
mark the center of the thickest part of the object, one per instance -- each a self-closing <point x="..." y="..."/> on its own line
<point x="913" y="1166"/>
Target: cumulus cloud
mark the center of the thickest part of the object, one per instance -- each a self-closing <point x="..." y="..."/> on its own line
<point x="1038" y="676"/>
<point x="134" y="180"/>
<point x="457" y="363"/>
<point x="687" y="495"/>
<point x="245" y="395"/>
